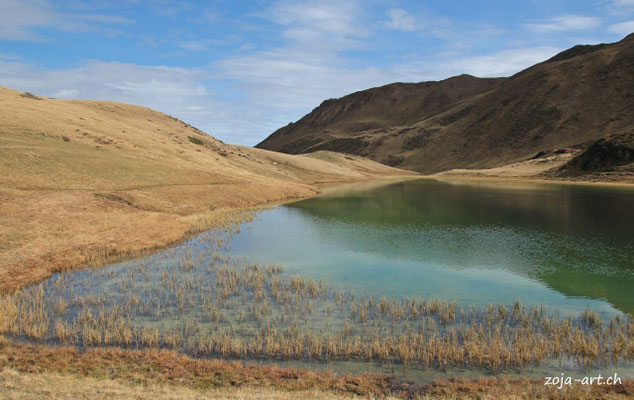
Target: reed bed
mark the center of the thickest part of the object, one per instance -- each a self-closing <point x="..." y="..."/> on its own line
<point x="199" y="300"/>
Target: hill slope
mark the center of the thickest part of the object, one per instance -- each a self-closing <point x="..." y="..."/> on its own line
<point x="609" y="158"/>
<point x="345" y="124"/>
<point x="573" y="99"/>
<point x="87" y="181"/>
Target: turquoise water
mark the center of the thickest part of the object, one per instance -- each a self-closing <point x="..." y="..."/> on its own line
<point x="569" y="247"/>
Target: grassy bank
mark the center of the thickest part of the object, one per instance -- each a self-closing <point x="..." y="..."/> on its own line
<point x="29" y="372"/>
<point x="89" y="182"/>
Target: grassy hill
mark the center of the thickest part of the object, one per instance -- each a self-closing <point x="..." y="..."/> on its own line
<point x="89" y="181"/>
<point x="355" y="123"/>
<point x="577" y="97"/>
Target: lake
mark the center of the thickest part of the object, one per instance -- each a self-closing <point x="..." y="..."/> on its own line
<point x="478" y="242"/>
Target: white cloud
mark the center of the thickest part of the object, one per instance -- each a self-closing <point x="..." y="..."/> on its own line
<point x="619" y="9"/>
<point x="296" y="80"/>
<point x="278" y="88"/>
<point x="327" y="16"/>
<point x="319" y="24"/>
<point x="177" y="91"/>
<point x="9" y="57"/>
<point x="66" y="94"/>
<point x="622" y="28"/>
<point x="246" y="47"/>
<point x="283" y="83"/>
<point x="261" y="90"/>
<point x="20" y="19"/>
<point x="568" y="22"/>
<point x="192" y="45"/>
<point x="275" y="89"/>
<point x="402" y="20"/>
<point x="504" y="63"/>
<point x="198" y="45"/>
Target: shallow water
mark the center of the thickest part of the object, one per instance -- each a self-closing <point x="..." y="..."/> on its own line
<point x="570" y="247"/>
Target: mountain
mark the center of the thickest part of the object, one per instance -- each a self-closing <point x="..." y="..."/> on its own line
<point x="93" y="181"/>
<point x="567" y="102"/>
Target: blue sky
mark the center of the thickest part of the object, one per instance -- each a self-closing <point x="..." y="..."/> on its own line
<point x="241" y="69"/>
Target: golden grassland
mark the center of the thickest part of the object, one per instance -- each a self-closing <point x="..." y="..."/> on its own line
<point x="19" y="386"/>
<point x="91" y="181"/>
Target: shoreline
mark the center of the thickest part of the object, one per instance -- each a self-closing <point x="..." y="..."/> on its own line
<point x="320" y="188"/>
<point x="531" y="179"/>
<point x="94" y="259"/>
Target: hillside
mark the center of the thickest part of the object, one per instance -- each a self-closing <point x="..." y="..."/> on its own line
<point x="568" y="101"/>
<point x="90" y="181"/>
<point x="609" y="158"/>
<point x="349" y="124"/>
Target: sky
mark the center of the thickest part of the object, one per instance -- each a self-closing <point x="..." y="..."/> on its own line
<point x="239" y="70"/>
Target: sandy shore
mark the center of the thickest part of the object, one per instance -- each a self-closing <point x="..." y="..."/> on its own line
<point x="536" y="170"/>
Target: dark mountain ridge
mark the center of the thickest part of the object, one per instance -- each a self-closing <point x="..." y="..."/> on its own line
<point x="571" y="100"/>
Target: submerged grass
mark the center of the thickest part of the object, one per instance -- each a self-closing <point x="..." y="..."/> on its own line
<point x="199" y="300"/>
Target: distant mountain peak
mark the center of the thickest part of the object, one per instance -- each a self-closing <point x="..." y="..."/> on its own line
<point x="571" y="100"/>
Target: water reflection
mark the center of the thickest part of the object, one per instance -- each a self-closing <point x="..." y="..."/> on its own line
<point x="568" y="246"/>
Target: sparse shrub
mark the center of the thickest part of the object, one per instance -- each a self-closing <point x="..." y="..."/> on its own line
<point x="31" y="96"/>
<point x="393" y="160"/>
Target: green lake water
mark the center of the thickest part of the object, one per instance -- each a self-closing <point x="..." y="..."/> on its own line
<point x="569" y="247"/>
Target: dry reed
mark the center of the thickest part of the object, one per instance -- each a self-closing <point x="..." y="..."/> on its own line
<point x="197" y="299"/>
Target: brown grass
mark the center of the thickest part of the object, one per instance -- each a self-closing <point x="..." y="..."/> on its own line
<point x="85" y="182"/>
<point x="19" y="386"/>
<point x="153" y="367"/>
<point x="66" y="371"/>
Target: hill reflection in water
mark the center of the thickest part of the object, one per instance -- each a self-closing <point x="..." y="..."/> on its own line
<point x="566" y="246"/>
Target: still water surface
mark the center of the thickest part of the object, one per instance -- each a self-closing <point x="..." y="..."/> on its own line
<point x="569" y="247"/>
